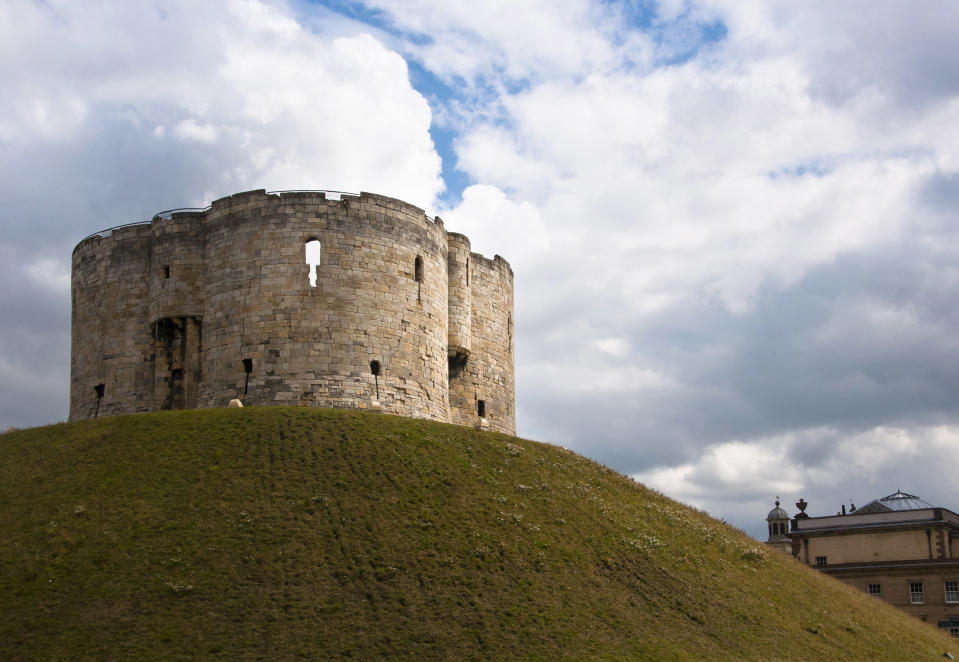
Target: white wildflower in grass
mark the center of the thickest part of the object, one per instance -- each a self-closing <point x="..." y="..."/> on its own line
<point x="509" y="518"/>
<point x="644" y="542"/>
<point x="180" y="587"/>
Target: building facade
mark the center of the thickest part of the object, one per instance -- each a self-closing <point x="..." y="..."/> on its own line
<point x="293" y="298"/>
<point x="899" y="548"/>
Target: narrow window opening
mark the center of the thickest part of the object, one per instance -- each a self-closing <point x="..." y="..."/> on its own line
<point x="247" y="368"/>
<point x="375" y="369"/>
<point x="481" y="408"/>
<point x="313" y="258"/>
<point x="166" y="271"/>
<point x="98" y="390"/>
<point x="418" y="277"/>
<point x="467" y="271"/>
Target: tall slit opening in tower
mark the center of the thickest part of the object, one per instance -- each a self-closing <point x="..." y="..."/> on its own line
<point x="418" y="276"/>
<point x="247" y="368"/>
<point x="312" y="250"/>
<point x="99" y="390"/>
<point x="375" y="369"/>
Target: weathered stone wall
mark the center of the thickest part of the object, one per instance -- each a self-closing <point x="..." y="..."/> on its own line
<point x="460" y="299"/>
<point x="202" y="307"/>
<point x="111" y="371"/>
<point x="486" y="381"/>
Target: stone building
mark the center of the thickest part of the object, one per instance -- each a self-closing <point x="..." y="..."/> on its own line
<point x="293" y="298"/>
<point x="899" y="548"/>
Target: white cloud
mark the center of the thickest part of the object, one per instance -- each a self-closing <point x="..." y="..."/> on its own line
<point x="515" y="40"/>
<point x="307" y="111"/>
<point x="745" y="475"/>
<point x="188" y="129"/>
<point x="497" y="225"/>
<point x="616" y="347"/>
<point x="49" y="273"/>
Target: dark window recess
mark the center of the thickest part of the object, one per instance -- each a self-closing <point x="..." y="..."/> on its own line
<point x="166" y="271"/>
<point x="177" y="394"/>
<point x="418" y="277"/>
<point x="99" y="390"/>
<point x="481" y="408"/>
<point x="467" y="271"/>
<point x="456" y="363"/>
<point x="375" y="369"/>
<point x="247" y="368"/>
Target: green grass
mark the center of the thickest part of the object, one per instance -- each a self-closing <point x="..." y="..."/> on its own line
<point x="285" y="533"/>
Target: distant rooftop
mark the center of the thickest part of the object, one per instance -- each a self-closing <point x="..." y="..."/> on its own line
<point x="897" y="501"/>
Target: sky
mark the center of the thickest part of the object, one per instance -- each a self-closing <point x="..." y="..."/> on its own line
<point x="732" y="223"/>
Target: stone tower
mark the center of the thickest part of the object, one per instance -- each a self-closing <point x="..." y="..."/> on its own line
<point x="296" y="298"/>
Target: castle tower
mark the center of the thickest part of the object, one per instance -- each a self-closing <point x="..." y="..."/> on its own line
<point x="295" y="298"/>
<point x="778" y="522"/>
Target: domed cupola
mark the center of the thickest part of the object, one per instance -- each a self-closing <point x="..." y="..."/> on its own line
<point x="778" y="521"/>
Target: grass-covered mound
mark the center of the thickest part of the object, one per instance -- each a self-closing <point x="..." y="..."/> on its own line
<point x="279" y="533"/>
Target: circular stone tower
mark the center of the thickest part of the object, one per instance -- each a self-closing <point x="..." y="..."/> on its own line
<point x="295" y="299"/>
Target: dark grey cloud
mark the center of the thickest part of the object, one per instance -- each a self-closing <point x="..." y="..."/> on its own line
<point x="900" y="50"/>
<point x="864" y="341"/>
<point x="34" y="342"/>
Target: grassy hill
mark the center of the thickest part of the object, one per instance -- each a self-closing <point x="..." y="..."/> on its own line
<point x="281" y="533"/>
